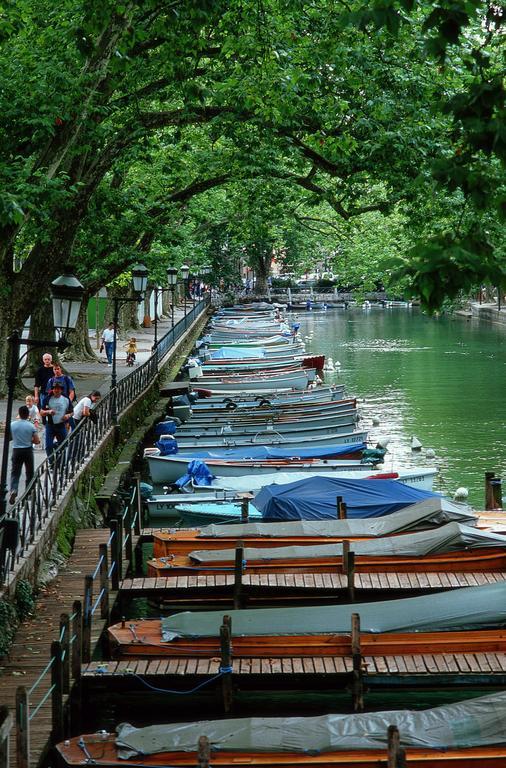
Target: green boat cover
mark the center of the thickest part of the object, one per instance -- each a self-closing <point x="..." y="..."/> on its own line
<point x="425" y="514"/>
<point x="459" y="609"/>
<point x="451" y="537"/>
<point x="477" y="722"/>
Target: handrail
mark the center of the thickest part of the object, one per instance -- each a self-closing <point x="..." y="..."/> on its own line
<point x="57" y="472"/>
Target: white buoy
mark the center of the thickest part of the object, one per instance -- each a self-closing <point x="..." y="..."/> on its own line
<point x="383" y="442"/>
<point x="415" y="444"/>
<point x="329" y="365"/>
<point x="461" y="494"/>
<point x="375" y="421"/>
<point x="430" y="453"/>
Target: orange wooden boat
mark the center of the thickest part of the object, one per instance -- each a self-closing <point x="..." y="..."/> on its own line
<point x="477" y="560"/>
<point x="143" y="639"/>
<point x="102" y="752"/>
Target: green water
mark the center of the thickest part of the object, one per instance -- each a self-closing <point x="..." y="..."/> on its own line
<point x="442" y="380"/>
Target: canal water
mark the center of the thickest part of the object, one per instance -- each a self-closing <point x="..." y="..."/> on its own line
<point x="440" y="379"/>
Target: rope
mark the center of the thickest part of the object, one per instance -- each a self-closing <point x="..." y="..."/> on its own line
<point x="41" y="702"/>
<point x="46" y="669"/>
<point x="222" y="671"/>
<point x="97" y="601"/>
<point x="97" y="569"/>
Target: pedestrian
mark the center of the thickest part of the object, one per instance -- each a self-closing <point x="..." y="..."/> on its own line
<point x="84" y="406"/>
<point x="57" y="416"/>
<point x="42" y="376"/>
<point x="109" y="342"/>
<point x="67" y="383"/>
<point x="24" y="437"/>
<point x="131" y="350"/>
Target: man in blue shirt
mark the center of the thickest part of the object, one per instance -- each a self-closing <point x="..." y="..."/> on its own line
<point x="24" y="437"/>
<point x="57" y="412"/>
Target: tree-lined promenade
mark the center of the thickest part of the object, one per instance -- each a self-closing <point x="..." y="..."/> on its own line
<point x="233" y="132"/>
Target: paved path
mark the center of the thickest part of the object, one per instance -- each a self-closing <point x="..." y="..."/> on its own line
<point x="97" y="375"/>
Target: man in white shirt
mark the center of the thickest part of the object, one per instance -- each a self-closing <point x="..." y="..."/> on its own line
<point x="108" y="341"/>
<point x="24" y="437"/>
<point x="57" y="413"/>
<point x="83" y="407"/>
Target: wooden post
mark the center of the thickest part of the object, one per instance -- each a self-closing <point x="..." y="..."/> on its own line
<point x="245" y="509"/>
<point x="22" y="728"/>
<point x="77" y="634"/>
<point x="203" y="752"/>
<point x="346" y="554"/>
<point x="128" y="535"/>
<point x="5" y="732"/>
<point x="350" y="576"/>
<point x="104" y="581"/>
<point x="115" y="553"/>
<point x="496" y="484"/>
<point x="57" y="731"/>
<point x="226" y="663"/>
<point x="396" y="755"/>
<point x="87" y="618"/>
<point x="138" y="562"/>
<point x="65" y="644"/>
<point x="342" y="510"/>
<point x="357" y="687"/>
<point x="489" y="494"/>
<point x="238" y="568"/>
<point x="339" y="500"/>
<point x="138" y="499"/>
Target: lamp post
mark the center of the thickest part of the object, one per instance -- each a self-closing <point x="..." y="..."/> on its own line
<point x="185" y="271"/>
<point x="66" y="295"/>
<point x="139" y="283"/>
<point x="171" y="280"/>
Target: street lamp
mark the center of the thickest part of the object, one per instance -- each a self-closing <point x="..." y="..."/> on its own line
<point x="171" y="280"/>
<point x="139" y="284"/>
<point x="185" y="271"/>
<point x="67" y="295"/>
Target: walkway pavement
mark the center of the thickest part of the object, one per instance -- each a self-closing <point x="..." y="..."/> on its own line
<point x="97" y="375"/>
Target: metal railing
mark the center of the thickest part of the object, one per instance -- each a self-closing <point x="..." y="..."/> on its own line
<point x="57" y="472"/>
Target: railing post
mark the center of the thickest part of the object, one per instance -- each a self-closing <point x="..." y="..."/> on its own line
<point x="22" y="728"/>
<point x="138" y="499"/>
<point x="65" y="644"/>
<point x="57" y="730"/>
<point x="87" y="618"/>
<point x="203" y="752"/>
<point x="238" y="568"/>
<point x="128" y="531"/>
<point x="226" y="663"/>
<point x="357" y="686"/>
<point x="350" y="576"/>
<point x="115" y="550"/>
<point x="5" y="734"/>
<point x="396" y="755"/>
<point x="104" y="581"/>
<point x="77" y="634"/>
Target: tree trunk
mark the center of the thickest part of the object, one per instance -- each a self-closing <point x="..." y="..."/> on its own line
<point x="41" y="327"/>
<point x="81" y="349"/>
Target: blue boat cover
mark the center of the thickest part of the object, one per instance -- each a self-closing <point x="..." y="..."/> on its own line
<point x="236" y="353"/>
<point x="198" y="472"/>
<point x="269" y="452"/>
<point x="167" y="446"/>
<point x="165" y="428"/>
<point x="315" y="498"/>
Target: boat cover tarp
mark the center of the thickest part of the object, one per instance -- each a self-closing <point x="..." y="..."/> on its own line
<point x="459" y="609"/>
<point x="254" y="482"/>
<point x="425" y="514"/>
<point x="315" y="498"/>
<point x="236" y="353"/>
<point x="196" y="472"/>
<point x="270" y="452"/>
<point x="451" y="537"/>
<point x="476" y="722"/>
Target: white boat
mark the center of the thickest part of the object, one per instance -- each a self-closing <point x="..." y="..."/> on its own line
<point x="333" y="424"/>
<point x="292" y="440"/>
<point x="299" y="380"/>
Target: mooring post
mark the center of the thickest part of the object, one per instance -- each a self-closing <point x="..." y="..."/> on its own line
<point x="65" y="644"/>
<point x="339" y="500"/>
<point x="128" y="535"/>
<point x="115" y="553"/>
<point x="346" y="553"/>
<point x="245" y="509"/>
<point x="138" y="570"/>
<point x="57" y="730"/>
<point x="138" y="499"/>
<point x="203" y="752"/>
<point x="238" y="569"/>
<point x="5" y="733"/>
<point x="350" y="576"/>
<point x="396" y="755"/>
<point x="87" y="618"/>
<point x="357" y="687"/>
<point x="104" y="580"/>
<point x="489" y="493"/>
<point x="76" y="658"/>
<point x="342" y="509"/>
<point x="22" y="728"/>
<point x="496" y="484"/>
<point x="226" y="663"/>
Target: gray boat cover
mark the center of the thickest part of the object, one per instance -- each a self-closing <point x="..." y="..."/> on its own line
<point x="425" y="514"/>
<point x="460" y="609"/>
<point x="473" y="723"/>
<point x="451" y="537"/>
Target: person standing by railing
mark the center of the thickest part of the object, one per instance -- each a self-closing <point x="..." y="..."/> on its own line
<point x="42" y="376"/>
<point x="57" y="415"/>
<point x="24" y="437"/>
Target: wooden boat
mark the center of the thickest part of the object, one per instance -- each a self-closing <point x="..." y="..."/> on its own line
<point x="325" y="741"/>
<point x="293" y="440"/>
<point x="281" y="422"/>
<point x="262" y="432"/>
<point x="253" y="400"/>
<point x="264" y="382"/>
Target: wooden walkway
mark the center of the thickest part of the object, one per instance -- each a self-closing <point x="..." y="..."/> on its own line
<point x="30" y="652"/>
